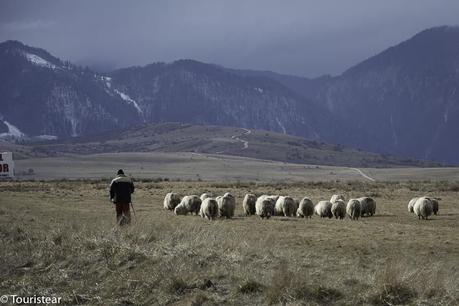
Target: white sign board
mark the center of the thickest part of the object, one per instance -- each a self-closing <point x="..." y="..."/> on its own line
<point x="6" y="165"/>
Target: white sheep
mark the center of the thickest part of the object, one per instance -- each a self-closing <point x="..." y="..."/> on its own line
<point x="353" y="209"/>
<point x="323" y="209"/>
<point x="367" y="206"/>
<point x="248" y="204"/>
<point x="205" y="195"/>
<point x="305" y="208"/>
<point x="297" y="203"/>
<point x="285" y="206"/>
<point x="274" y="198"/>
<point x="226" y="205"/>
<point x="411" y="204"/>
<point x="338" y="209"/>
<point x="336" y="197"/>
<point x="423" y="208"/>
<point x="171" y="200"/>
<point x="264" y="207"/>
<point x="192" y="203"/>
<point x="181" y="210"/>
<point x="209" y="209"/>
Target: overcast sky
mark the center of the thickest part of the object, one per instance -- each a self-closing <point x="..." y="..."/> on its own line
<point x="308" y="38"/>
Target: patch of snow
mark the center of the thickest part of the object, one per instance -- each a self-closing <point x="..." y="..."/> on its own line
<point x="108" y="81"/>
<point x="47" y="137"/>
<point x="260" y="90"/>
<point x="128" y="99"/>
<point x="12" y="131"/>
<point x="35" y="59"/>
<point x="281" y="126"/>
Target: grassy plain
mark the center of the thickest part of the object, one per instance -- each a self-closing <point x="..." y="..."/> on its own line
<point x="59" y="238"/>
<point x="212" y="167"/>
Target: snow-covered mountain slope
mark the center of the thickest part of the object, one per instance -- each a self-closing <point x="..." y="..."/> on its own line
<point x="42" y="95"/>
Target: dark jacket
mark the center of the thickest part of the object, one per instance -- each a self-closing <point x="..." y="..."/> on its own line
<point x="120" y="189"/>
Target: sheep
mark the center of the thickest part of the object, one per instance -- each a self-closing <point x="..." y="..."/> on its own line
<point x="323" y="209"/>
<point x="338" y="209"/>
<point x="367" y="206"/>
<point x="285" y="206"/>
<point x="264" y="207"/>
<point x="205" y="196"/>
<point x="227" y="205"/>
<point x="171" y="200"/>
<point x="274" y="198"/>
<point x="434" y="205"/>
<point x="336" y="197"/>
<point x="181" y="210"/>
<point x="297" y="203"/>
<point x="305" y="208"/>
<point x="209" y="209"/>
<point x="353" y="209"/>
<point x="192" y="203"/>
<point x="423" y="208"/>
<point x="411" y="204"/>
<point x="248" y="204"/>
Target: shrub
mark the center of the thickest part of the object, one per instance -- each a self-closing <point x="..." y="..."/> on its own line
<point x="391" y="288"/>
<point x="176" y="285"/>
<point x="250" y="286"/>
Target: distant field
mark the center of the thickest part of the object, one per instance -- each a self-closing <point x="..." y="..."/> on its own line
<point x="211" y="167"/>
<point x="59" y="238"/>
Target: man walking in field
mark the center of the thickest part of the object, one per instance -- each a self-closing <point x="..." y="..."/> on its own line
<point x="121" y="189"/>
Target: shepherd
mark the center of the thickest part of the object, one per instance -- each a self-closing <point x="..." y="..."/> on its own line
<point x="121" y="189"/>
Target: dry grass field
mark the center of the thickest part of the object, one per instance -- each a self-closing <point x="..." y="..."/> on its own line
<point x="211" y="167"/>
<point x="60" y="238"/>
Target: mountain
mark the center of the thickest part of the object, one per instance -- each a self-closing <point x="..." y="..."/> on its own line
<point x="194" y="92"/>
<point x="68" y="101"/>
<point x="215" y="140"/>
<point x="42" y="96"/>
<point x="403" y="101"/>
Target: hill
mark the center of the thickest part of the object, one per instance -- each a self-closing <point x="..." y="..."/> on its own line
<point x="403" y="101"/>
<point x="258" y="144"/>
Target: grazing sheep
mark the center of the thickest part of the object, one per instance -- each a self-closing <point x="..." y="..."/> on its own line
<point x="192" y="203"/>
<point x="274" y="198"/>
<point x="278" y="207"/>
<point x="209" y="209"/>
<point x="411" y="204"/>
<point x="434" y="205"/>
<point x="285" y="206"/>
<point x="338" y="209"/>
<point x="205" y="195"/>
<point x="297" y="203"/>
<point x="248" y="204"/>
<point x="336" y="197"/>
<point x="353" y="209"/>
<point x="367" y="206"/>
<point x="306" y="208"/>
<point x="323" y="209"/>
<point x="423" y="208"/>
<point x="264" y="207"/>
<point x="181" y="210"/>
<point x="171" y="200"/>
<point x="227" y="205"/>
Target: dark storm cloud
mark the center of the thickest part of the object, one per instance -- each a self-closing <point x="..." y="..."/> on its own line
<point x="297" y="37"/>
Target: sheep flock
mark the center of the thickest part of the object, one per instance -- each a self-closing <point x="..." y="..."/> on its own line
<point x="265" y="206"/>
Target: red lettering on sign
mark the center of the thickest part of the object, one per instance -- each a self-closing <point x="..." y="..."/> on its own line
<point x="5" y="168"/>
